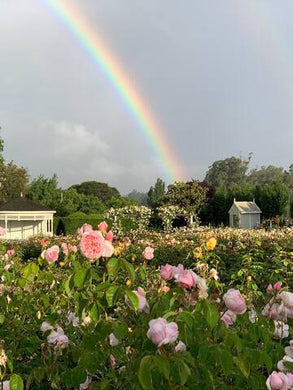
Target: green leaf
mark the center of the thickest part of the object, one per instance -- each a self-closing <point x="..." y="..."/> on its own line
<point x="127" y="267"/>
<point x="30" y="270"/>
<point x="113" y="266"/>
<point x="224" y="359"/>
<point x="102" y="286"/>
<point x="132" y="297"/>
<point x="211" y="314"/>
<point x="68" y="286"/>
<point x="142" y="273"/>
<point x="111" y="294"/>
<point x="94" y="313"/>
<point x="80" y="277"/>
<point x="184" y="371"/>
<point x="15" y="382"/>
<point x="241" y="364"/>
<point x="187" y="317"/>
<point x="162" y="365"/>
<point x="2" y="319"/>
<point x="145" y="372"/>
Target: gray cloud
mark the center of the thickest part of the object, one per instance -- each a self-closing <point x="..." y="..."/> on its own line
<point x="216" y="75"/>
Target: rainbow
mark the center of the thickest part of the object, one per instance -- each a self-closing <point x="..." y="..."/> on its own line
<point x="97" y="49"/>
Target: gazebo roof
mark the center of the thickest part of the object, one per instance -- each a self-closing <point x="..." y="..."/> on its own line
<point x="23" y="204"/>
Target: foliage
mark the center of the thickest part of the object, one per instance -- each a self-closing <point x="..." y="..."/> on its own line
<point x="138" y="197"/>
<point x="120" y="202"/>
<point x="70" y="224"/>
<point x="273" y="198"/>
<point x="168" y="214"/>
<point x="156" y="193"/>
<point x="188" y="196"/>
<point x="100" y="190"/>
<point x="139" y="217"/>
<point x="14" y="181"/>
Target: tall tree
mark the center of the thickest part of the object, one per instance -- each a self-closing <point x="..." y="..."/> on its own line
<point x="156" y="193"/>
<point x="139" y="197"/>
<point x="101" y="190"/>
<point x="272" y="198"/>
<point x="189" y="196"/>
<point x="266" y="175"/>
<point x="227" y="172"/>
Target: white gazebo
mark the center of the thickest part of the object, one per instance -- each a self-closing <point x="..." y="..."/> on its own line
<point x="244" y="215"/>
<point x="22" y="218"/>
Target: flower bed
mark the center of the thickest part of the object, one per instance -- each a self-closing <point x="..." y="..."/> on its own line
<point x="207" y="309"/>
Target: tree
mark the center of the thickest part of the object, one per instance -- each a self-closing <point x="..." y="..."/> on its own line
<point x="272" y="198"/>
<point x="122" y="201"/>
<point x="45" y="191"/>
<point x="138" y="197"/>
<point x="189" y="196"/>
<point x="14" y="181"/>
<point x="100" y="190"/>
<point x="227" y="172"/>
<point x="156" y="193"/>
<point x="266" y="175"/>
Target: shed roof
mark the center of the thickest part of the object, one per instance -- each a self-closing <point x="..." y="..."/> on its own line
<point x="247" y="207"/>
<point x="23" y="204"/>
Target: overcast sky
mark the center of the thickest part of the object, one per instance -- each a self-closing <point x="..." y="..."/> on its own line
<point x="217" y="75"/>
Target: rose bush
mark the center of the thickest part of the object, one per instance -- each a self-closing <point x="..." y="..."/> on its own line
<point x="99" y="316"/>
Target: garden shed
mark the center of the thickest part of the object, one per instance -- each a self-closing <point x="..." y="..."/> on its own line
<point x="244" y="215"/>
<point x="22" y="218"/>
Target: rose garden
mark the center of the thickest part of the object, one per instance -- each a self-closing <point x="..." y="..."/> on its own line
<point x="194" y="308"/>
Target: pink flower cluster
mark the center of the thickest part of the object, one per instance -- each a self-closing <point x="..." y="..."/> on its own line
<point x="235" y="305"/>
<point x="282" y="380"/>
<point x="56" y="338"/>
<point x="93" y="244"/>
<point x="67" y="248"/>
<point x="162" y="332"/>
<point x="185" y="278"/>
<point x="148" y="253"/>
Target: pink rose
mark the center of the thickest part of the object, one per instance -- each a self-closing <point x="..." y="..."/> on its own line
<point x="229" y="317"/>
<point x="187" y="279"/>
<point x="148" y="253"/>
<point x="277" y="286"/>
<point x="167" y="272"/>
<point x="85" y="385"/>
<point x="108" y="249"/>
<point x="2" y="231"/>
<point x="109" y="236"/>
<point x="234" y="301"/>
<point x="64" y="248"/>
<point x="277" y="381"/>
<point x="142" y="302"/>
<point x="52" y="254"/>
<point x="180" y="347"/>
<point x="281" y="330"/>
<point x="179" y="270"/>
<point x="92" y="245"/>
<point x="103" y="226"/>
<point x="72" y="248"/>
<point x="10" y="252"/>
<point x="290" y="379"/>
<point x="86" y="228"/>
<point x="113" y="340"/>
<point x="270" y="288"/>
<point x="112" y="360"/>
<point x="287" y="299"/>
<point x="162" y="332"/>
<point x="6" y="385"/>
<point x="58" y="339"/>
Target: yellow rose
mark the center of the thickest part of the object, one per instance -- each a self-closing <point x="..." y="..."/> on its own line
<point x="128" y="282"/>
<point x="211" y="244"/>
<point x="197" y="252"/>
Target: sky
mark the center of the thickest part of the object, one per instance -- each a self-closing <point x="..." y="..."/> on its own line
<point x="217" y="75"/>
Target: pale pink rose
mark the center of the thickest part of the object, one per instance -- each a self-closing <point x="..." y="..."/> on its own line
<point x="112" y="360"/>
<point x="142" y="302"/>
<point x="2" y="231"/>
<point x="86" y="228"/>
<point x="162" y="332"/>
<point x="277" y="381"/>
<point x="281" y="366"/>
<point x="5" y="385"/>
<point x="290" y="379"/>
<point x="287" y="299"/>
<point x="167" y="272"/>
<point x="180" y="347"/>
<point x="113" y="341"/>
<point x="85" y="385"/>
<point x="58" y="339"/>
<point x="7" y="266"/>
<point x="109" y="236"/>
<point x="73" y="248"/>
<point x="187" y="279"/>
<point x="10" y="252"/>
<point x="73" y="319"/>
<point x="148" y="253"/>
<point x="108" y="249"/>
<point x="92" y="245"/>
<point x="229" y="317"/>
<point x="274" y="311"/>
<point x="281" y="330"/>
<point x="64" y="248"/>
<point x="103" y="226"/>
<point x="277" y="286"/>
<point x="289" y="349"/>
<point x="52" y="254"/>
<point x="270" y="288"/>
<point x="46" y="326"/>
<point x="234" y="301"/>
<point x="179" y="270"/>
<point x="252" y="316"/>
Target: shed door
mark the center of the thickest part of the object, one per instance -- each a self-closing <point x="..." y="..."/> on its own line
<point x="235" y="220"/>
